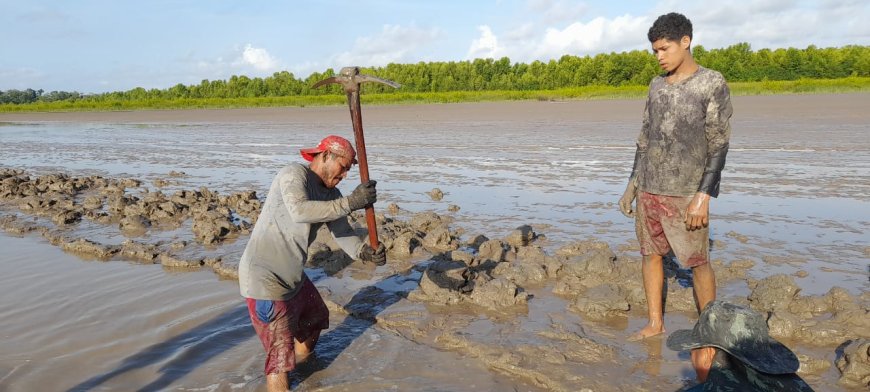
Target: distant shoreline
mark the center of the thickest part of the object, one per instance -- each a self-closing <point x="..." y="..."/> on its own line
<point x="585" y="93"/>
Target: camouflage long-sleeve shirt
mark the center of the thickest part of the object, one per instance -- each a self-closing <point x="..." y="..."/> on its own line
<point x="684" y="125"/>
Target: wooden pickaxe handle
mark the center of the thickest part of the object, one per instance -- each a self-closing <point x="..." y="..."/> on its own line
<point x="359" y="137"/>
<point x="350" y="79"/>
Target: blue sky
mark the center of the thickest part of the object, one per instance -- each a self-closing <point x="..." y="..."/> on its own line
<point x="109" y="45"/>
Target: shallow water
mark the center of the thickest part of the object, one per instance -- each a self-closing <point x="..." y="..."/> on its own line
<point x="796" y="186"/>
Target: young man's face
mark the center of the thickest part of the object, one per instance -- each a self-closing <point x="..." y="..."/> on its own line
<point x="334" y="169"/>
<point x="671" y="54"/>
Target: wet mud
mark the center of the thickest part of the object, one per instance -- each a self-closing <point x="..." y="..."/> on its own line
<point x="442" y="270"/>
<point x="508" y="262"/>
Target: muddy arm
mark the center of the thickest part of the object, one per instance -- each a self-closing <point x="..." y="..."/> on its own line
<point x="346" y="237"/>
<point x="718" y="132"/>
<point x="642" y="144"/>
<point x="303" y="210"/>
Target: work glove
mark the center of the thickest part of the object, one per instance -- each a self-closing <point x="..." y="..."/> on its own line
<point x="627" y="199"/>
<point x="376" y="256"/>
<point x="364" y="195"/>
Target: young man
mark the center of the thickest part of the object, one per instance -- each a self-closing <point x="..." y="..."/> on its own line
<point x="286" y="310"/>
<point x="680" y="154"/>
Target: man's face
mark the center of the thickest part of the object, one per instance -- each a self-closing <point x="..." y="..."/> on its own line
<point x="335" y="168"/>
<point x="670" y="54"/>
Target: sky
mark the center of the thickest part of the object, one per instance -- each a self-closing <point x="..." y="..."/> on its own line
<point x="93" y="46"/>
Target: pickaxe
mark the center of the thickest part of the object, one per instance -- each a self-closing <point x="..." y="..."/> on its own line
<point x="350" y="79"/>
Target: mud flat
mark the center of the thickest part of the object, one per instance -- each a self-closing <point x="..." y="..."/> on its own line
<point x="517" y="273"/>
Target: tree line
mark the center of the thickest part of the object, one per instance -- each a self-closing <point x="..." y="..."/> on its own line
<point x="738" y="63"/>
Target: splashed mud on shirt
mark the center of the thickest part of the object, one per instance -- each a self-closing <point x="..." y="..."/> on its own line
<point x="684" y="124"/>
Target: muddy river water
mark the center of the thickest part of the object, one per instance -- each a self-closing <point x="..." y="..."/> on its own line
<point x="795" y="204"/>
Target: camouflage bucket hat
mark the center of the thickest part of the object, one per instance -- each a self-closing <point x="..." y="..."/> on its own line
<point x="740" y="332"/>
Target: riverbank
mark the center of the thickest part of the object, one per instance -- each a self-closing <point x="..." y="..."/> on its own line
<point x="801" y="86"/>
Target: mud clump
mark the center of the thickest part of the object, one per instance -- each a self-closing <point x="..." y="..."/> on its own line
<point x="600" y="302"/>
<point x="136" y="251"/>
<point x="854" y="365"/>
<point x="425" y="231"/>
<point x="14" y="226"/>
<point x="435" y="194"/>
<point x="90" y="249"/>
<point x="321" y="255"/>
<point x="134" y="224"/>
<point x="498" y="294"/>
<point x="106" y="200"/>
<point x="174" y="262"/>
<point x="773" y="293"/>
<point x="444" y="282"/>
<point x="522" y="236"/>
<point x="440" y="239"/>
<point x="449" y="282"/>
<point x="824" y="320"/>
<point x="812" y="366"/>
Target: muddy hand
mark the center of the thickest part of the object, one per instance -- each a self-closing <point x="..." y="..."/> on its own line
<point x="698" y="212"/>
<point x="364" y="195"/>
<point x="625" y="202"/>
<point x="376" y="256"/>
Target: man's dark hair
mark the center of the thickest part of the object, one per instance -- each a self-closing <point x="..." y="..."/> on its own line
<point x="672" y="27"/>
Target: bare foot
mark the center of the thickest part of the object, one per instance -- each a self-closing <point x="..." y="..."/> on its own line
<point x="646" y="332"/>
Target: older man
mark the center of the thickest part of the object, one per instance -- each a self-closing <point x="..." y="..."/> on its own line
<point x="286" y="309"/>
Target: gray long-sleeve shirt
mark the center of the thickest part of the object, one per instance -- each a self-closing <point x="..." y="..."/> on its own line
<point x="297" y="205"/>
<point x="684" y="124"/>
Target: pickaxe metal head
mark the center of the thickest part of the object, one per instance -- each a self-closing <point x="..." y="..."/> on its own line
<point x="350" y="79"/>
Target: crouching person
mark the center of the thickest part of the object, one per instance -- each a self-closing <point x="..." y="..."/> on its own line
<point x="744" y="356"/>
<point x="286" y="309"/>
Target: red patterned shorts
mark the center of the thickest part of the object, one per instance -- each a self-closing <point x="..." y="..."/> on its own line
<point x="278" y="323"/>
<point x="661" y="227"/>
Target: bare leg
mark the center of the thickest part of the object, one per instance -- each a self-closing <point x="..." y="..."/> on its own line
<point x="653" y="283"/>
<point x="704" y="282"/>
<point x="305" y="348"/>
<point x="278" y="382"/>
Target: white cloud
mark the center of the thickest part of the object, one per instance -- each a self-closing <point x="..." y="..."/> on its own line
<point x="527" y="44"/>
<point x="761" y="23"/>
<point x="485" y="46"/>
<point x="240" y="60"/>
<point x="598" y="35"/>
<point x="393" y="44"/>
<point x="259" y="58"/>
<point x="776" y="23"/>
